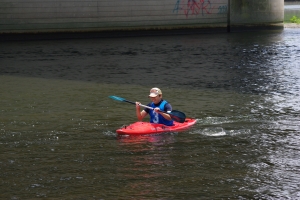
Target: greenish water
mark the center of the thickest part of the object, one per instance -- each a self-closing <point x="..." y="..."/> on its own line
<point x="57" y="124"/>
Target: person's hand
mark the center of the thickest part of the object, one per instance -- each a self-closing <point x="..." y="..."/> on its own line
<point x="137" y="104"/>
<point x="157" y="110"/>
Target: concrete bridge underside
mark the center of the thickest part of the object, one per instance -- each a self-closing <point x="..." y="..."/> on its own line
<point x="66" y="16"/>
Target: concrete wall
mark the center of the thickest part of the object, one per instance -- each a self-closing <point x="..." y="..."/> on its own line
<point x="256" y="12"/>
<point x="31" y="16"/>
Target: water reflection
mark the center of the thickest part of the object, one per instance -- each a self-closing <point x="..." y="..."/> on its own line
<point x="154" y="139"/>
<point x="149" y="162"/>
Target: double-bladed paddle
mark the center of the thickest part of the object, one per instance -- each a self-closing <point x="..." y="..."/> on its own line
<point x="175" y="114"/>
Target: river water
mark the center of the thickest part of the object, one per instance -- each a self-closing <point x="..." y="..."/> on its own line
<point x="57" y="124"/>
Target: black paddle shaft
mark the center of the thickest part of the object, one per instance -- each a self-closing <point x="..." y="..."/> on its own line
<point x="175" y="115"/>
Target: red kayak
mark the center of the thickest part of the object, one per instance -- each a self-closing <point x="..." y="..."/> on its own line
<point x="143" y="128"/>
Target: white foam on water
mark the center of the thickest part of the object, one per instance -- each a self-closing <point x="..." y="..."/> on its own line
<point x="109" y="133"/>
<point x="211" y="131"/>
<point x="219" y="131"/>
<point x="238" y="132"/>
<point x="214" y="131"/>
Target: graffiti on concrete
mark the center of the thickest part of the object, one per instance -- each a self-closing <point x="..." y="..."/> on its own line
<point x="198" y="7"/>
<point x="193" y="7"/>
<point x="222" y="9"/>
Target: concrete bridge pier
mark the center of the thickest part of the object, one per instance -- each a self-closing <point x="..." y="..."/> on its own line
<point x="256" y="13"/>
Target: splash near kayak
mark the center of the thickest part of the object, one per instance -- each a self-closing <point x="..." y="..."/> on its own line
<point x="144" y="128"/>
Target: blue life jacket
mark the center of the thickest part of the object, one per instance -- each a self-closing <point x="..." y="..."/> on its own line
<point x="156" y="117"/>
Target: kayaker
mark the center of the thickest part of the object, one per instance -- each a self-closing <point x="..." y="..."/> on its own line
<point x="157" y="104"/>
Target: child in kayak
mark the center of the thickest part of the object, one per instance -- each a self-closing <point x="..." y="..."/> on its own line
<point x="158" y="104"/>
